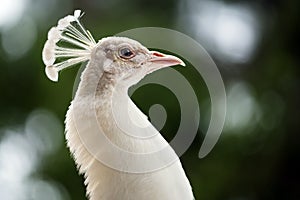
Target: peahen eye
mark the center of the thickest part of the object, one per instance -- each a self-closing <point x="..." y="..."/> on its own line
<point x="126" y="53"/>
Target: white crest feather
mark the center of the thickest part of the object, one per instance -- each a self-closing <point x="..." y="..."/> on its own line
<point x="51" y="73"/>
<point x="69" y="30"/>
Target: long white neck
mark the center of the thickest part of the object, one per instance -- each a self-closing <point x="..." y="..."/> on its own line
<point x="106" y="94"/>
<point x="105" y="132"/>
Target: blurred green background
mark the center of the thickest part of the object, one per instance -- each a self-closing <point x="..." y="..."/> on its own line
<point x="255" y="45"/>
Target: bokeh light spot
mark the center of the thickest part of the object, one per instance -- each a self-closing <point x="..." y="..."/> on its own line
<point x="229" y="31"/>
<point x="18" y="40"/>
<point x="11" y="12"/>
<point x="243" y="111"/>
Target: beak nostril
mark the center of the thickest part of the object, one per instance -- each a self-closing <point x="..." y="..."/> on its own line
<point x="157" y="54"/>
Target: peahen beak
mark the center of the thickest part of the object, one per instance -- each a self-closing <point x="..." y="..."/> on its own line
<point x="163" y="60"/>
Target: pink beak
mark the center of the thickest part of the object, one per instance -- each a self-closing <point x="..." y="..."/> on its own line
<point x="164" y="60"/>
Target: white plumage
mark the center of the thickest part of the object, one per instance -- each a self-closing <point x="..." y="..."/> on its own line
<point x="115" y="64"/>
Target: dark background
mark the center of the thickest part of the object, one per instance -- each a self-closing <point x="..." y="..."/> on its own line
<point x="257" y="156"/>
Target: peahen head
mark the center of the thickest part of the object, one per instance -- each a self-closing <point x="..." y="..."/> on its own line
<point x="123" y="59"/>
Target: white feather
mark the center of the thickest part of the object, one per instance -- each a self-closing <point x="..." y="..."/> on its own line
<point x="54" y="34"/>
<point x="48" y="53"/>
<point x="103" y="182"/>
<point x="51" y="73"/>
<point x="64" y="22"/>
<point x="77" y="36"/>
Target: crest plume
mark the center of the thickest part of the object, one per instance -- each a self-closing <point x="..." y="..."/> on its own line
<point x="68" y="43"/>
